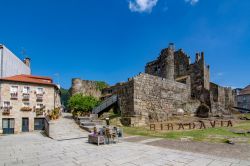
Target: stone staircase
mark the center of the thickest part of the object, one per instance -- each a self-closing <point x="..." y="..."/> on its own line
<point x="66" y="128"/>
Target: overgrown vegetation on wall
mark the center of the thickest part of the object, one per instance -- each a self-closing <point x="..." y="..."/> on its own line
<point x="101" y="85"/>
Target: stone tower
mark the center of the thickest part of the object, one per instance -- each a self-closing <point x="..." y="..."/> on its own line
<point x="76" y="86"/>
<point x="170" y="62"/>
<point x="85" y="87"/>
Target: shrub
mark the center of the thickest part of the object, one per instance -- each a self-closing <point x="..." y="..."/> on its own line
<point x="54" y="114"/>
<point x="80" y="104"/>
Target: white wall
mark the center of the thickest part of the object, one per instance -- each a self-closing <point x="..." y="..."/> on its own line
<point x="11" y="65"/>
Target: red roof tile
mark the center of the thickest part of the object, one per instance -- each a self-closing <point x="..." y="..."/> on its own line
<point x="30" y="79"/>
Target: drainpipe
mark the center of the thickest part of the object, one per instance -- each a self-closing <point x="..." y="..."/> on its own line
<point x="1" y="53"/>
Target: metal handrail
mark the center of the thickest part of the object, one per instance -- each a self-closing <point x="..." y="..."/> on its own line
<point x="106" y="103"/>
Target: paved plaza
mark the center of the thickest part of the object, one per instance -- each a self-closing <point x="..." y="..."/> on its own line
<point x="36" y="149"/>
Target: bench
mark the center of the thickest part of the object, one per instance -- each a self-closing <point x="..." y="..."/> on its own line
<point x="96" y="139"/>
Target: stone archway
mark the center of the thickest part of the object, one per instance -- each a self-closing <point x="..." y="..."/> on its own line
<point x="203" y="111"/>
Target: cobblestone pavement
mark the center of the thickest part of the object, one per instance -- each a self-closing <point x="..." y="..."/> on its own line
<point x="35" y="149"/>
<point x="71" y="130"/>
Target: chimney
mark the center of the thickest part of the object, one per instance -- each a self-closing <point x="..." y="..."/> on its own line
<point x="26" y="61"/>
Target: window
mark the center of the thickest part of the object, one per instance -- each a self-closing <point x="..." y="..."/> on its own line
<point x="39" y="105"/>
<point x="39" y="90"/>
<point x="6" y="104"/>
<point x="26" y="90"/>
<point x="26" y="104"/>
<point x="14" y="89"/>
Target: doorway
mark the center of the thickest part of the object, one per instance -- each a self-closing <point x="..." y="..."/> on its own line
<point x="25" y="124"/>
<point x="8" y="126"/>
<point x="39" y="124"/>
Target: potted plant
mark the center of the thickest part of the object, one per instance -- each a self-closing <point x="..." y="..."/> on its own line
<point x="26" y="108"/>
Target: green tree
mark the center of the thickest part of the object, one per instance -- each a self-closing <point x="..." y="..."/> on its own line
<point x="80" y="104"/>
<point x="65" y="95"/>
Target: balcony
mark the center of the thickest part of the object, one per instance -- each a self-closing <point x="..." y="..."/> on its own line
<point x="39" y="110"/>
<point x="39" y="96"/>
<point x="14" y="95"/>
<point x="26" y="96"/>
<point x="6" y="110"/>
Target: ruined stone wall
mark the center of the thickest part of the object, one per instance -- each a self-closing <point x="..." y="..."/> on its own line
<point x="125" y="92"/>
<point x="206" y="77"/>
<point x="200" y="80"/>
<point x="181" y="62"/>
<point x="229" y="98"/>
<point x="178" y="66"/>
<point x="222" y="99"/>
<point x="164" y="65"/>
<point x="146" y="97"/>
<point x="85" y="87"/>
<point x="196" y="74"/>
<point x="157" y="97"/>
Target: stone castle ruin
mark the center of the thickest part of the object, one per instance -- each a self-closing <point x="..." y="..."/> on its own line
<point x="171" y="85"/>
<point x="85" y="87"/>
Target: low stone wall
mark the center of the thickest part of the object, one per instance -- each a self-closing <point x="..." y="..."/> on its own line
<point x="46" y="126"/>
<point x="50" y="129"/>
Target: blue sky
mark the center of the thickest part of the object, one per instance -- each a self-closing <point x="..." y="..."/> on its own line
<point x="112" y="40"/>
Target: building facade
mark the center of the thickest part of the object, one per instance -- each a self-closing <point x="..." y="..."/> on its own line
<point x="25" y="101"/>
<point x="243" y="99"/>
<point x="11" y="65"/>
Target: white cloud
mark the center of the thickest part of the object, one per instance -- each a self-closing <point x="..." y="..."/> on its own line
<point x="192" y="2"/>
<point x="220" y="74"/>
<point x="142" y="5"/>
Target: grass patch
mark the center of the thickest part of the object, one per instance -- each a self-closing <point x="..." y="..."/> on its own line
<point x="205" y="135"/>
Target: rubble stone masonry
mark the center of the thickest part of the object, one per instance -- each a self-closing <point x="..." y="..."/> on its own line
<point x="85" y="87"/>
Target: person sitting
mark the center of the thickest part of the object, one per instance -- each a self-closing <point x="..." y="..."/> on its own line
<point x="107" y="135"/>
<point x="95" y="133"/>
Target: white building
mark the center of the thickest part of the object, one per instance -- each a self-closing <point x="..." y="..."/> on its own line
<point x="25" y="100"/>
<point x="243" y="99"/>
<point x="11" y="65"/>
